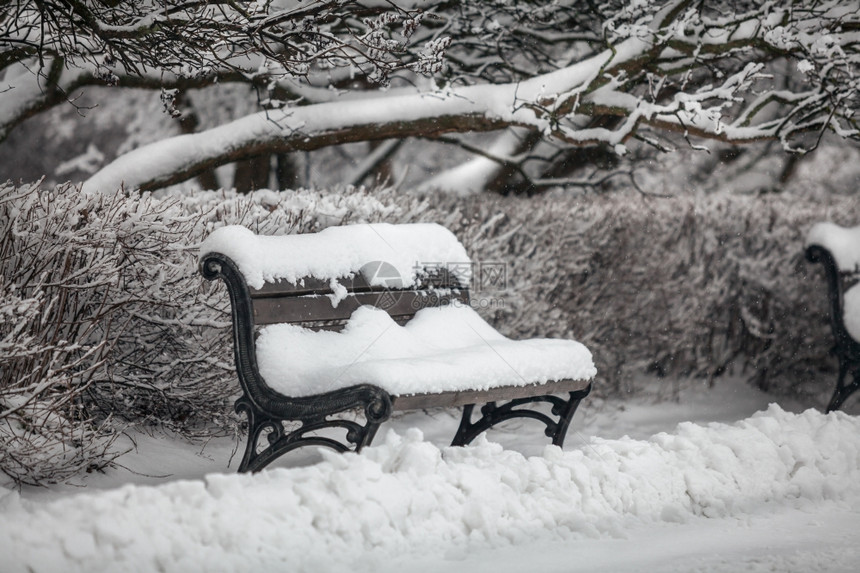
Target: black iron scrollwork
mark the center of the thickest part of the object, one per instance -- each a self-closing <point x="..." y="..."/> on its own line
<point x="266" y="410"/>
<point x="492" y="414"/>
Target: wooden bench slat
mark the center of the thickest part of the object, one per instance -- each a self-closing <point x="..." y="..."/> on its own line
<point x="461" y="398"/>
<point x="357" y="284"/>
<point x="319" y="308"/>
<point x="311" y="286"/>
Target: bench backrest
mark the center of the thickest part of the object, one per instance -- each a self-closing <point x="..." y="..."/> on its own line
<point x="312" y="301"/>
<point x="320" y="279"/>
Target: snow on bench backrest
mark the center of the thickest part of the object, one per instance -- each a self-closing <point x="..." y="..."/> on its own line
<point x="842" y="242"/>
<point x="338" y="252"/>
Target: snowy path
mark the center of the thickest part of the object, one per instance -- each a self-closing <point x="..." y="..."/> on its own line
<point x="777" y="491"/>
<point x="784" y="540"/>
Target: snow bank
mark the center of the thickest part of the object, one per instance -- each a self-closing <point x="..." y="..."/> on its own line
<point x="338" y="252"/>
<point x="439" y="350"/>
<point x="356" y="512"/>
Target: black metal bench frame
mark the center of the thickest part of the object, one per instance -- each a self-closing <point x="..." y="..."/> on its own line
<point x="846" y="348"/>
<point x="268" y="411"/>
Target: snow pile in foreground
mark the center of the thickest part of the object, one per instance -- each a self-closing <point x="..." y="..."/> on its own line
<point x="407" y="495"/>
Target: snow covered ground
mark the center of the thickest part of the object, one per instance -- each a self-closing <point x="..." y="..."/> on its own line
<point x="717" y="482"/>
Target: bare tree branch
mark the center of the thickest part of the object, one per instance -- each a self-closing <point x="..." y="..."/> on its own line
<point x="704" y="70"/>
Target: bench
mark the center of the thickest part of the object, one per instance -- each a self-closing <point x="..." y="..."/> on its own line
<point x="837" y="249"/>
<point x="334" y="331"/>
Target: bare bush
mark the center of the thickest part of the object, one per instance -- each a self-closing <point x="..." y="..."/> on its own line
<point x="50" y="349"/>
<point x="105" y="321"/>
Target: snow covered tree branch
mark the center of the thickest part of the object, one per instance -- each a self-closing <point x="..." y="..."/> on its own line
<point x="579" y="74"/>
<point x="680" y="68"/>
<point x="48" y="48"/>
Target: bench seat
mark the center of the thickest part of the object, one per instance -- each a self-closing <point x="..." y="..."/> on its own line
<point x="442" y="349"/>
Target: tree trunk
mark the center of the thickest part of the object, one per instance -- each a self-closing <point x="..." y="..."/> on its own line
<point x="188" y="123"/>
<point x="253" y="173"/>
<point x="286" y="171"/>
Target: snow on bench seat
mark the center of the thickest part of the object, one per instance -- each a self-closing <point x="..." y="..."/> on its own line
<point x="338" y="252"/>
<point x="851" y="302"/>
<point x="441" y="349"/>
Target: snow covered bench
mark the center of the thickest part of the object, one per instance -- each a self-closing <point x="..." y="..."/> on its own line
<point x="838" y="250"/>
<point x="375" y="318"/>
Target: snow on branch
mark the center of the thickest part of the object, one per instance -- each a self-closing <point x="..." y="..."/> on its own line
<point x="701" y="71"/>
<point x="63" y="45"/>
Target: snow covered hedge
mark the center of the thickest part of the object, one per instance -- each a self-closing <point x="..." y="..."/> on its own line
<point x="106" y="322"/>
<point x="674" y="286"/>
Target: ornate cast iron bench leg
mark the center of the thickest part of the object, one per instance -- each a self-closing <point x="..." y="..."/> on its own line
<point x="280" y="441"/>
<point x="492" y="414"/>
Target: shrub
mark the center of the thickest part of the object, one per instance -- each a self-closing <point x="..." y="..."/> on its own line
<point x="105" y="321"/>
<point x="683" y="286"/>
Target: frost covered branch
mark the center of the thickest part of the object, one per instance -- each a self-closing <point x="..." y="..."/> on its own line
<point x="599" y="74"/>
<point x="48" y="48"/>
<point x="680" y="67"/>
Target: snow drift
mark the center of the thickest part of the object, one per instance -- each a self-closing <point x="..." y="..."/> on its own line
<point x="358" y="511"/>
